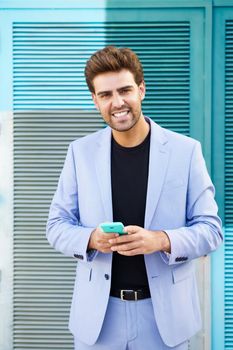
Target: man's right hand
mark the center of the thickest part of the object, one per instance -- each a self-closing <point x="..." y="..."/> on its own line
<point x="99" y="240"/>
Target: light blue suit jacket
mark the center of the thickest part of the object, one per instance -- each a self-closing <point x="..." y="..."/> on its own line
<point x="180" y="200"/>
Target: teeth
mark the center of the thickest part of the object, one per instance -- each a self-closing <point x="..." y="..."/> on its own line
<point x="120" y="114"/>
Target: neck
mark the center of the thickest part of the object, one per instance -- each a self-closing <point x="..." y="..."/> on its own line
<point x="134" y="136"/>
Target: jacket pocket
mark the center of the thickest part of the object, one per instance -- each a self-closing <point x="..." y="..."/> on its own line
<point x="182" y="272"/>
<point x="84" y="273"/>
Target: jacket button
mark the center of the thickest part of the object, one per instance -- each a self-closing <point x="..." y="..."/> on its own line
<point x="78" y="256"/>
<point x="106" y="276"/>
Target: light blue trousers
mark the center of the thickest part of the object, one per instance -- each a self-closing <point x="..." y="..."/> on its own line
<point x="129" y="325"/>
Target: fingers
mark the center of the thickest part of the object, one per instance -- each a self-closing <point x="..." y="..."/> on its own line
<point x="130" y="252"/>
<point x="120" y="239"/>
<point x="125" y="247"/>
<point x="99" y="240"/>
<point x="128" y="244"/>
<point x="134" y="243"/>
<point x="124" y="243"/>
<point x="103" y="243"/>
<point x="131" y="229"/>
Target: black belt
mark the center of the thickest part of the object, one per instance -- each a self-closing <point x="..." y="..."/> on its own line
<point x="130" y="294"/>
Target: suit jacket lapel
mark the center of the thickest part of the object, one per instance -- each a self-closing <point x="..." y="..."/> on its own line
<point x="158" y="162"/>
<point x="103" y="171"/>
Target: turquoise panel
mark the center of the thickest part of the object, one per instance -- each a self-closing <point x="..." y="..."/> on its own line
<point x="222" y="143"/>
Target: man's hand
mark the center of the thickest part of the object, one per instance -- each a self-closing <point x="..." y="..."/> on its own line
<point x="99" y="240"/>
<point x="140" y="241"/>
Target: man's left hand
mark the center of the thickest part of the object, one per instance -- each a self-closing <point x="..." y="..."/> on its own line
<point x="140" y="241"/>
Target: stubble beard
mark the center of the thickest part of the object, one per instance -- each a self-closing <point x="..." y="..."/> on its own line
<point x="134" y="120"/>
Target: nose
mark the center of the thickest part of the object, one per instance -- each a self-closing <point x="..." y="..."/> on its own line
<point x="117" y="101"/>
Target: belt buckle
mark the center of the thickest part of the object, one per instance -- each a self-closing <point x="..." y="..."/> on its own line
<point x="128" y="290"/>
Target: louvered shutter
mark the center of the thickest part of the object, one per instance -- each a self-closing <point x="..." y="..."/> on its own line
<point x="164" y="50"/>
<point x="53" y="107"/>
<point x="229" y="185"/>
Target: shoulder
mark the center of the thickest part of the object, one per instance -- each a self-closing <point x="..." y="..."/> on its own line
<point x="165" y="135"/>
<point x="178" y="138"/>
<point x="180" y="145"/>
<point x="90" y="140"/>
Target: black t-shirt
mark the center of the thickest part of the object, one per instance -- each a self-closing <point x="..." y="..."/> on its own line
<point x="129" y="174"/>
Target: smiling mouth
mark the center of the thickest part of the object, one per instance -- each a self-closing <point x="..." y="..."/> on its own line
<point x="120" y="114"/>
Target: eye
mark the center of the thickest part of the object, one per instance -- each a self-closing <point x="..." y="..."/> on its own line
<point x="104" y="95"/>
<point x="125" y="91"/>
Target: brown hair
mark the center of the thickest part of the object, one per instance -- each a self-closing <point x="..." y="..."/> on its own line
<point x="113" y="59"/>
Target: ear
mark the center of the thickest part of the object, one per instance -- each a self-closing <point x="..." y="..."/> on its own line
<point x="95" y="100"/>
<point x="142" y="90"/>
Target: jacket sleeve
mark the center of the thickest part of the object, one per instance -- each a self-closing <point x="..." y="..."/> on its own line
<point x="202" y="233"/>
<point x="64" y="230"/>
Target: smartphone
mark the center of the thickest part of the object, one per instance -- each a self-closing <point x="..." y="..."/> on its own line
<point x="113" y="227"/>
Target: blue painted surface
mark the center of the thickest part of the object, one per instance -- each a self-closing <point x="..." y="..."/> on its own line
<point x="222" y="143"/>
<point x="6" y="85"/>
<point x="218" y="169"/>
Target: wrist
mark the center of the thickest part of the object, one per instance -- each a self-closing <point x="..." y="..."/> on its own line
<point x="91" y="243"/>
<point x="165" y="242"/>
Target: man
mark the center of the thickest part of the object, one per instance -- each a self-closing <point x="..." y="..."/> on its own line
<point x="137" y="290"/>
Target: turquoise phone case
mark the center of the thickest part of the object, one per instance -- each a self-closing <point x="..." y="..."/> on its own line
<point x="113" y="227"/>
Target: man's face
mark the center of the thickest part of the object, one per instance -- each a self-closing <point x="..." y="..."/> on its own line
<point x="118" y="98"/>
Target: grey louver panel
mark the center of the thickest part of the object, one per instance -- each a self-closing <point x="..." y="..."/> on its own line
<point x="52" y="107"/>
<point x="229" y="187"/>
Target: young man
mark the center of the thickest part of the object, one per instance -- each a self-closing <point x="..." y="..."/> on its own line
<point x="138" y="290"/>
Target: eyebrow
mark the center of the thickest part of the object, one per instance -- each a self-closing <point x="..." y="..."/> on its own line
<point x="119" y="89"/>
